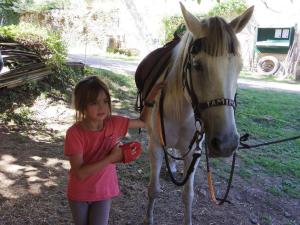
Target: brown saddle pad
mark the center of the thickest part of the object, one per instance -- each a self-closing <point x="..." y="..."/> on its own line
<point x="152" y="66"/>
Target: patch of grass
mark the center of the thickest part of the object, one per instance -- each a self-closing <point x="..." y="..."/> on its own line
<point x="122" y="87"/>
<point x="244" y="173"/>
<point x="261" y="111"/>
<point x="123" y="57"/>
<point x="291" y="188"/>
<point x="292" y="222"/>
<point x="275" y="190"/>
<point x="267" y="116"/>
<point x="287" y="186"/>
<point x="266" y="219"/>
<point x="262" y="77"/>
<point x="277" y="166"/>
<point x="256" y="76"/>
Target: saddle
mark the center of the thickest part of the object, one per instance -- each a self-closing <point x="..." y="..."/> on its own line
<point x="150" y="69"/>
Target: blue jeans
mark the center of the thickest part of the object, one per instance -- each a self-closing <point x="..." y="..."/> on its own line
<point x="90" y="213"/>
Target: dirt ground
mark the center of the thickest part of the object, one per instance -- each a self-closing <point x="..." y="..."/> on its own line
<point x="33" y="174"/>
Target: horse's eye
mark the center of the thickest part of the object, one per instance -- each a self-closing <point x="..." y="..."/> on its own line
<point x="198" y="66"/>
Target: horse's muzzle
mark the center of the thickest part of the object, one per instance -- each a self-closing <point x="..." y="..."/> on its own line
<point x="223" y="147"/>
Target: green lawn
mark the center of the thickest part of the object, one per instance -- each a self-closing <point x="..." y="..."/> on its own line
<point x="270" y="115"/>
<point x="262" y="77"/>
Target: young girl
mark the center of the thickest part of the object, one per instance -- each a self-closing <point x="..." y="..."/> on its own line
<point x="92" y="147"/>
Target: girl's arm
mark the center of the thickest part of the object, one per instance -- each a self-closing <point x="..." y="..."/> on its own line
<point x="149" y="103"/>
<point x="83" y="171"/>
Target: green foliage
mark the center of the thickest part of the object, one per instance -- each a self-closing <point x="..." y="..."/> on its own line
<point x="121" y="86"/>
<point x="46" y="43"/>
<point x="7" y="13"/>
<point x="228" y="9"/>
<point x="10" y="10"/>
<point x="171" y="24"/>
<point x="127" y="52"/>
<point x="23" y="6"/>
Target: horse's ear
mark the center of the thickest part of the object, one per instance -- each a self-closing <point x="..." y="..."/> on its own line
<point x="193" y="24"/>
<point x="240" y="22"/>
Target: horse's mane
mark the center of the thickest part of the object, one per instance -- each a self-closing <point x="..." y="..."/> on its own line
<point x="219" y="41"/>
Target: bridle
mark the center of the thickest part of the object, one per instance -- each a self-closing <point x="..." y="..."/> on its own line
<point x="198" y="108"/>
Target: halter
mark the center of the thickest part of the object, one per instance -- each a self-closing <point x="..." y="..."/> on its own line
<point x="198" y="107"/>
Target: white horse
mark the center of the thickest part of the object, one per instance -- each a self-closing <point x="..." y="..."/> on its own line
<point x="210" y="52"/>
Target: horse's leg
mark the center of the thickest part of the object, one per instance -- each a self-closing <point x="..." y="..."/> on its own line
<point x="188" y="192"/>
<point x="172" y="162"/>
<point x="156" y="157"/>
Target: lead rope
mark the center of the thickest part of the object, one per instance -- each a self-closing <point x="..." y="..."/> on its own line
<point x="245" y="137"/>
<point x="216" y="200"/>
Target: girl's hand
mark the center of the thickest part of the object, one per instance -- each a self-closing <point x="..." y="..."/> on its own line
<point x="116" y="155"/>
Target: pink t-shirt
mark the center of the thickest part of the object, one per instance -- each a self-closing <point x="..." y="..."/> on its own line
<point x="95" y="145"/>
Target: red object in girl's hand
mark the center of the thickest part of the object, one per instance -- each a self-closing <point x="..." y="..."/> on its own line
<point x="131" y="151"/>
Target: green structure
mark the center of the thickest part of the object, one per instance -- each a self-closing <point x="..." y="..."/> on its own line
<point x="274" y="39"/>
<point x="271" y="47"/>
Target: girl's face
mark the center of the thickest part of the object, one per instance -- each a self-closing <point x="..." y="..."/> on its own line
<point x="98" y="110"/>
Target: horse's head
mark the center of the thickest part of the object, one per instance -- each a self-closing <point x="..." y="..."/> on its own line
<point x="215" y="63"/>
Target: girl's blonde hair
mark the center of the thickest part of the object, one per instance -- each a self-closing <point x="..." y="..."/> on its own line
<point x="86" y="91"/>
